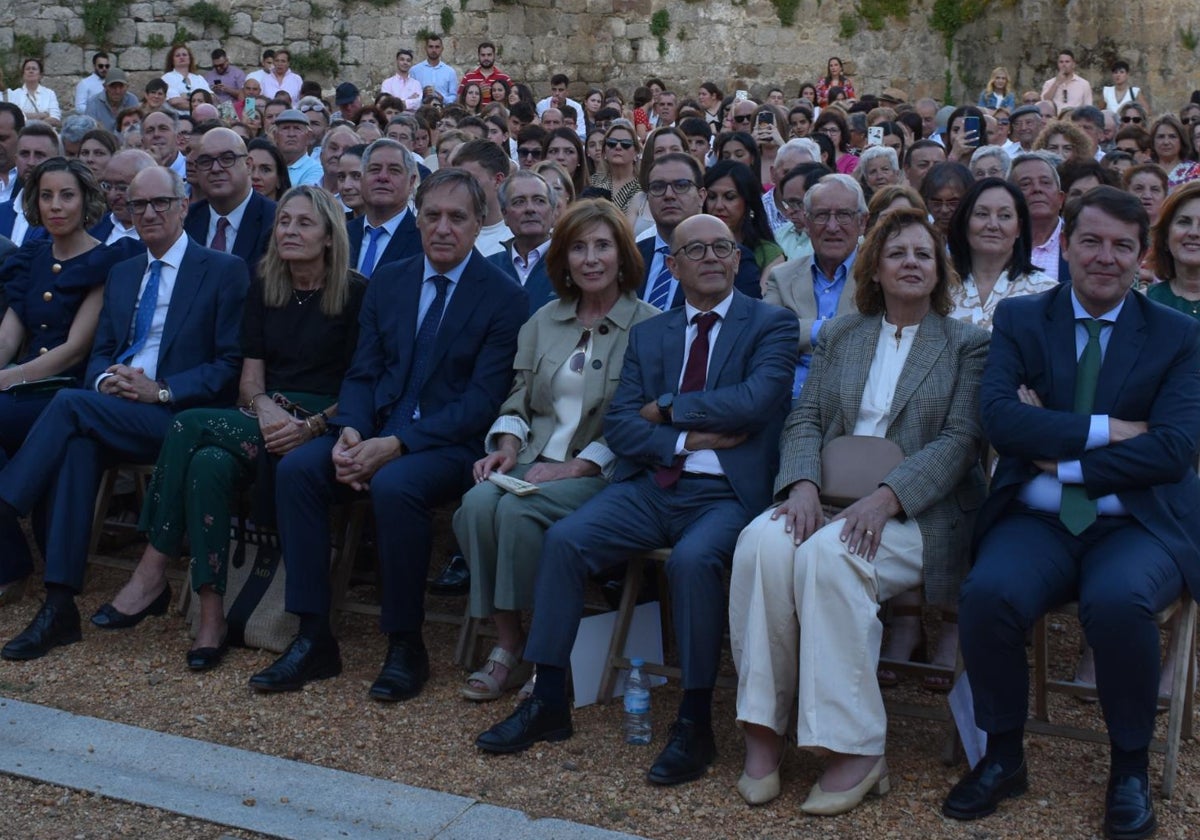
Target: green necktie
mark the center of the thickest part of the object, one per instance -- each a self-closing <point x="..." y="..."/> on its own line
<point x="1076" y="510"/>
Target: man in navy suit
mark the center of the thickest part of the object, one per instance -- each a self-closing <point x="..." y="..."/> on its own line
<point x="387" y="232"/>
<point x="36" y="142"/>
<point x="118" y="223"/>
<point x="168" y="338"/>
<point x="697" y="438"/>
<point x="676" y="192"/>
<point x="233" y="218"/>
<point x="437" y="336"/>
<point x="1091" y="395"/>
<point x="528" y="205"/>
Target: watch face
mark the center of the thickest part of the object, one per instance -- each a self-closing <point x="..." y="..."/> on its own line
<point x="164" y="396"/>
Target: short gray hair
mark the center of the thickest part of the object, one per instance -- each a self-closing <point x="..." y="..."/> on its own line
<point x="801" y="144"/>
<point x="524" y="175"/>
<point x="873" y="152"/>
<point x="449" y="179"/>
<point x="837" y="179"/>
<point x="998" y="153"/>
<point x="75" y="126"/>
<point x="388" y="143"/>
<point x="1051" y="161"/>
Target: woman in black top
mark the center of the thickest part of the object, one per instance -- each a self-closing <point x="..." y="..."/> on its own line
<point x="299" y="333"/>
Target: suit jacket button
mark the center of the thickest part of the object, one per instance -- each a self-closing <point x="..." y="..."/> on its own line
<point x="42" y="351"/>
<point x="603" y="329"/>
<point x="48" y="296"/>
<point x="44" y="327"/>
<point x="597" y="364"/>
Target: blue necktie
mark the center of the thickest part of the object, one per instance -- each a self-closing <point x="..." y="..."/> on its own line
<point x="144" y="316"/>
<point x="661" y="290"/>
<point x="368" y="263"/>
<point x="406" y="407"/>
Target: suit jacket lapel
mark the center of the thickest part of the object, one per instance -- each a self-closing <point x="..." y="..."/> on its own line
<point x="193" y="269"/>
<point x="1124" y="347"/>
<point x="247" y="235"/>
<point x="196" y="223"/>
<point x="123" y="304"/>
<point x="729" y="336"/>
<point x="355" y="231"/>
<point x="1064" y="359"/>
<point x="646" y="246"/>
<point x="928" y="345"/>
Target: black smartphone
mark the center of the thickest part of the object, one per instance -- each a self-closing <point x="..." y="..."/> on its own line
<point x="767" y="117"/>
<point x="974" y="124"/>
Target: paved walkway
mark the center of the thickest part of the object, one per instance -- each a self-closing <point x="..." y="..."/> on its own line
<point x="248" y="790"/>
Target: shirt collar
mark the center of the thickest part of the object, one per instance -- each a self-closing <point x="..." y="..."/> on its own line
<point x="390" y="225"/>
<point x="235" y="215"/>
<point x="722" y="308"/>
<point x="455" y="274"/>
<point x="839" y="274"/>
<point x="1082" y="314"/>
<point x="174" y="255"/>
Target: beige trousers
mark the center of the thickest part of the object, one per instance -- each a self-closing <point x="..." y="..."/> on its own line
<point x="804" y="625"/>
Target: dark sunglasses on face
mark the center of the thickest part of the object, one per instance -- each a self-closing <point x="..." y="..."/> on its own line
<point x="624" y="144"/>
<point x="1131" y="120"/>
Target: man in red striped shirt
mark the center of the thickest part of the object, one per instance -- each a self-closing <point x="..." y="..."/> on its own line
<point x="486" y="73"/>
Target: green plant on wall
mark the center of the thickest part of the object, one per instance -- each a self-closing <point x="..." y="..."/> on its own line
<point x="206" y="14"/>
<point x="876" y="12"/>
<point x="182" y="35"/>
<point x="847" y="26"/>
<point x="447" y="19"/>
<point x="99" y="17"/>
<point x="154" y="41"/>
<point x="660" y="25"/>
<point x="318" y="62"/>
<point x="786" y="10"/>
<point x="1189" y="38"/>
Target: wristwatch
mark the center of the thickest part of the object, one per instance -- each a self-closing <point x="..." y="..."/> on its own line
<point x="664" y="407"/>
<point x="164" y="393"/>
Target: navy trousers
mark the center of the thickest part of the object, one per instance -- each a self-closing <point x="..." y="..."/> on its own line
<point x="77" y="437"/>
<point x="403" y="494"/>
<point x="700" y="517"/>
<point x="1029" y="563"/>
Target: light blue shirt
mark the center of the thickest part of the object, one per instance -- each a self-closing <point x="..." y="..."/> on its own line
<point x="1044" y="492"/>
<point x="828" y="292"/>
<point x="305" y="171"/>
<point x="443" y="79"/>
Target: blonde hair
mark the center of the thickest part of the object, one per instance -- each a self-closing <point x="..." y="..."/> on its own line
<point x="991" y="85"/>
<point x="277" y="274"/>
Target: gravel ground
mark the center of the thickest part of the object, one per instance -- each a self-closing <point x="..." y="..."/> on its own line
<point x="138" y="677"/>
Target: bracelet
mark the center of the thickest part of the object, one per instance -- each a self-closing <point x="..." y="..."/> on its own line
<point x="250" y="402"/>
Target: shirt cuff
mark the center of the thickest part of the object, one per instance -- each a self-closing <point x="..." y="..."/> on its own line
<point x="509" y="424"/>
<point x="598" y="454"/>
<point x="816" y="328"/>
<point x="1070" y="472"/>
<point x="680" y="449"/>
<point x="100" y="379"/>
<point x="1097" y="432"/>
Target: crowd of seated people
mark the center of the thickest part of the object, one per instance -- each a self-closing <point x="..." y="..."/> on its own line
<point x="661" y="312"/>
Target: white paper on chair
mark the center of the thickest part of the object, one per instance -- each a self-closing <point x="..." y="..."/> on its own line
<point x="589" y="657"/>
<point x="962" y="706"/>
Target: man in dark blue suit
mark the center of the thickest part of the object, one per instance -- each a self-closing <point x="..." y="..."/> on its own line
<point x="528" y="205"/>
<point x="234" y="218"/>
<point x="387" y="232"/>
<point x="676" y="192"/>
<point x="437" y="336"/>
<point x="36" y="142"/>
<point x="1091" y="395"/>
<point x="697" y="435"/>
<point x="168" y="338"/>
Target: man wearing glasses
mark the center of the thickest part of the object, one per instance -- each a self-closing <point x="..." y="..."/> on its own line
<point x="93" y="83"/>
<point x="529" y="145"/>
<point x="695" y="424"/>
<point x="168" y="339"/>
<point x="233" y="218"/>
<point x="118" y="173"/>
<point x="676" y="193"/>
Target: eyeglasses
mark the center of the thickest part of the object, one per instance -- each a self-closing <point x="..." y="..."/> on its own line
<point x="137" y="206"/>
<point x="624" y="144"/>
<point x="792" y="205"/>
<point x="1189" y="120"/>
<point x="679" y="187"/>
<point x="109" y="186"/>
<point x="536" y="154"/>
<point x="722" y="249"/>
<point x="1002" y="122"/>
<point x="1137" y="120"/>
<point x="103" y="66"/>
<point x="844" y="218"/>
<point x="936" y="204"/>
<point x="744" y="118"/>
<point x="225" y="160"/>
<point x="318" y="107"/>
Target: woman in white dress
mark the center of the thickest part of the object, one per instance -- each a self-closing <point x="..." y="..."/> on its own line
<point x="181" y="77"/>
<point x="38" y="102"/>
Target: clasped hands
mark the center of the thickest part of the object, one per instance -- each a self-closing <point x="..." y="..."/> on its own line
<point x="505" y="458"/>
<point x="355" y="461"/>
<point x="864" y="520"/>
<point x="696" y="440"/>
<point x="1118" y="430"/>
<point x="130" y="383"/>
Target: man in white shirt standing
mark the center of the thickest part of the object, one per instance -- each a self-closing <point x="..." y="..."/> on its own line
<point x="93" y="83"/>
<point x="403" y="85"/>
<point x="266" y="66"/>
<point x="282" y="79"/>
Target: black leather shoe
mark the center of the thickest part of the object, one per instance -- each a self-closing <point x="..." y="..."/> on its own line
<point x="405" y="670"/>
<point x="533" y="721"/>
<point x="305" y="660"/>
<point x="52" y="627"/>
<point x="108" y="618"/>
<point x="689" y="751"/>
<point x="978" y="793"/>
<point x="455" y="579"/>
<point x="206" y="658"/>
<point x="1128" y="809"/>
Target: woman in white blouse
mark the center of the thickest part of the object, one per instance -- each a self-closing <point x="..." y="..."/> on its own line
<point x="181" y="77"/>
<point x="549" y="432"/>
<point x="805" y="590"/>
<point x="38" y="102"/>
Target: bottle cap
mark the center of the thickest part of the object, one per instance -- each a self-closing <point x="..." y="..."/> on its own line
<point x="637" y="663"/>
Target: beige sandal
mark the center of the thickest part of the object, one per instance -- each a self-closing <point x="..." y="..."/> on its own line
<point x="518" y="672"/>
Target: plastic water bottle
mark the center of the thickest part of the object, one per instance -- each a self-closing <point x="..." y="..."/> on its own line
<point x="637" y="705"/>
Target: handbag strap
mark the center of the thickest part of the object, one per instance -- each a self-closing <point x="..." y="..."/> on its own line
<point x="266" y="563"/>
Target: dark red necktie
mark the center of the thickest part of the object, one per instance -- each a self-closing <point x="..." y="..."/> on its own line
<point x="695" y="372"/>
<point x="218" y="243"/>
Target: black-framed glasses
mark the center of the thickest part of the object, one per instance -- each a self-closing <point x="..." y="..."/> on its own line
<point x="103" y="66"/>
<point x="722" y="249"/>
<point x="624" y="144"/>
<point x="224" y="160"/>
<point x="109" y="186"/>
<point x="536" y="154"/>
<point x="679" y="187"/>
<point x="744" y="118"/>
<point x="844" y="218"/>
<point x="1137" y="120"/>
<point x="161" y="204"/>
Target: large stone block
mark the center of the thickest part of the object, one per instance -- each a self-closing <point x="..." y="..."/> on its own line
<point x="165" y="31"/>
<point x="268" y="34"/>
<point x="295" y="29"/>
<point x="64" y="57"/>
<point x="133" y="59"/>
<point x="242" y="24"/>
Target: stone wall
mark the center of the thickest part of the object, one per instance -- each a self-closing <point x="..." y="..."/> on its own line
<point x="737" y="43"/>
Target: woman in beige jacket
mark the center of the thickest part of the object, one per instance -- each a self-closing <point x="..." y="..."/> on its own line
<point x="549" y="432"/>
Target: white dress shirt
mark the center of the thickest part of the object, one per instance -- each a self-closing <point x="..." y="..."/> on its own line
<point x="875" y="410"/>
<point x="524" y="266"/>
<point x="409" y="90"/>
<point x="704" y="461"/>
<point x="88" y="87"/>
<point x="235" y="223"/>
<point x="180" y="85"/>
<point x="119" y="231"/>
